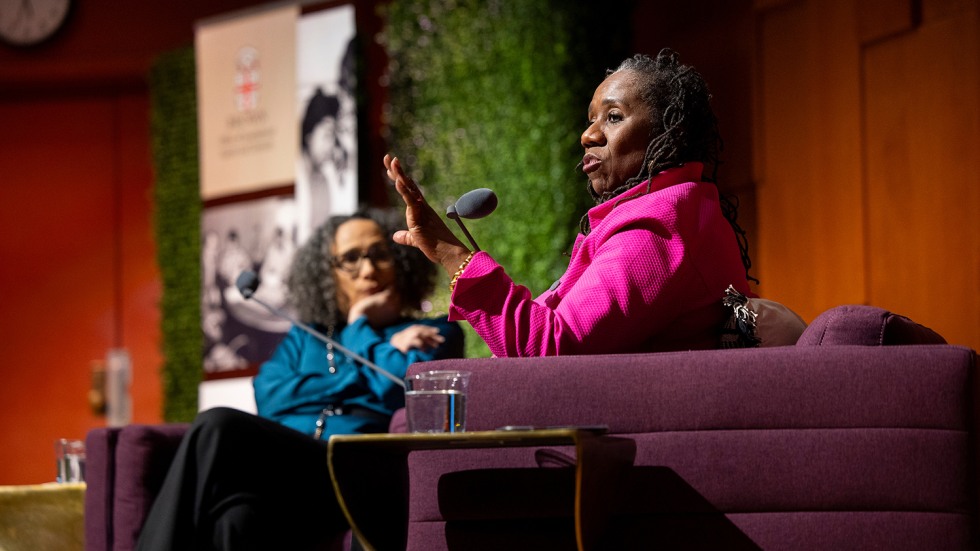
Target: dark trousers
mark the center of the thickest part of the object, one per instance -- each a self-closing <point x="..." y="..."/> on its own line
<point x="242" y="482"/>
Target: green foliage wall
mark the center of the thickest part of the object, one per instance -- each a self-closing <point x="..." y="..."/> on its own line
<point x="494" y="94"/>
<point x="177" y="219"/>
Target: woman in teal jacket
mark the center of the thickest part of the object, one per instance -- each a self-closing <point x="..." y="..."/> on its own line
<point x="242" y="481"/>
<point x="364" y="298"/>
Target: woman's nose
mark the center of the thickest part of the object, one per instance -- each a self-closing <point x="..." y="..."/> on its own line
<point x="592" y="136"/>
<point x="366" y="266"/>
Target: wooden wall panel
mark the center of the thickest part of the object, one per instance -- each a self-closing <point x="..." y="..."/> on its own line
<point x="810" y="252"/>
<point x="922" y="97"/>
<point x="699" y="31"/>
<point x="941" y="9"/>
<point x="866" y="156"/>
<point x="877" y="19"/>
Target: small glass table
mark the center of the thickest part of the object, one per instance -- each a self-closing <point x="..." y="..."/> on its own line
<point x="370" y="476"/>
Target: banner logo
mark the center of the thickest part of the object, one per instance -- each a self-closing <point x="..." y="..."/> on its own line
<point x="247" y="79"/>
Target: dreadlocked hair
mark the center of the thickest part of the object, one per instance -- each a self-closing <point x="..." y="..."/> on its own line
<point x="684" y="129"/>
<point x="312" y="288"/>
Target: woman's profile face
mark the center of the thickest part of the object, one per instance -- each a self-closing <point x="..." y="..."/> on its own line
<point x="620" y="125"/>
<point x="362" y="261"/>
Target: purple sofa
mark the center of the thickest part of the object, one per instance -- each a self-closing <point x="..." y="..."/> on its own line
<point x="844" y="445"/>
<point x="830" y="444"/>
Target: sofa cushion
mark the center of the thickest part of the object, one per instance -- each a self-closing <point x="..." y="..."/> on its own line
<point x="143" y="456"/>
<point x="776" y="324"/>
<point x="866" y="326"/>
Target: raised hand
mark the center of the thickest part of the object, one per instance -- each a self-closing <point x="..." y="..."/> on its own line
<point x="426" y="229"/>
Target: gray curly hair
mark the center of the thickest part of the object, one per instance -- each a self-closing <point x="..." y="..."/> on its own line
<point x="311" y="284"/>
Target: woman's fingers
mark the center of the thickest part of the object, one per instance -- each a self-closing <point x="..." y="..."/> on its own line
<point x="381" y="308"/>
<point x="410" y="193"/>
<point x="422" y="337"/>
<point x="403" y="237"/>
<point x="406" y="186"/>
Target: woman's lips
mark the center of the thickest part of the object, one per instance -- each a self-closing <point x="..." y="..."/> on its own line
<point x="590" y="163"/>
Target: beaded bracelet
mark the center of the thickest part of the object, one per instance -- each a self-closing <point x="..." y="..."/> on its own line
<point x="459" y="272"/>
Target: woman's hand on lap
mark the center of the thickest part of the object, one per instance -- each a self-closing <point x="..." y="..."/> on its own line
<point x="422" y="337"/>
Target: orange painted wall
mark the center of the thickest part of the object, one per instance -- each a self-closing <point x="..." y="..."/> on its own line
<point x="79" y="273"/>
<point x="78" y="270"/>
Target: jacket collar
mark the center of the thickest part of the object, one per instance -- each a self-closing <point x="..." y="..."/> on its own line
<point x="687" y="172"/>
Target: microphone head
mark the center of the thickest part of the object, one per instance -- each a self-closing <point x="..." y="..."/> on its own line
<point x="477" y="203"/>
<point x="247" y="283"/>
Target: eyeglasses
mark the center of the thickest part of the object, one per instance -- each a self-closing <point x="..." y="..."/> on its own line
<point x="350" y="261"/>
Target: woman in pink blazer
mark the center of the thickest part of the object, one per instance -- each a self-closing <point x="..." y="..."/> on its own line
<point x="656" y="253"/>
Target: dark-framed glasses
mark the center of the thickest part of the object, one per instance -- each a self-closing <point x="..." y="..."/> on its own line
<point x="350" y="261"/>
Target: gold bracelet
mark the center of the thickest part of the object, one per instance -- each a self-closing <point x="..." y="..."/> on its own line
<point x="459" y="272"/>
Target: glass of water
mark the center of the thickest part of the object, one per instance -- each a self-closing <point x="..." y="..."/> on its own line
<point x="70" y="455"/>
<point x="435" y="401"/>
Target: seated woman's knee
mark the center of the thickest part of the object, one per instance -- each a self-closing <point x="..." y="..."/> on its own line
<point x="220" y="423"/>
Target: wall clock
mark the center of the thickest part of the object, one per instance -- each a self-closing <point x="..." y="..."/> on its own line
<point x="30" y="22"/>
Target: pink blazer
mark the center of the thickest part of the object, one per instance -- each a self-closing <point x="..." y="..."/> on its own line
<point x="649" y="277"/>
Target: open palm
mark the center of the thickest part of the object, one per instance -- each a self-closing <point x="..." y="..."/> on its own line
<point x="426" y="229"/>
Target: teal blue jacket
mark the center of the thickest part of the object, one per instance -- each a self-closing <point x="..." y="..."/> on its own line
<point x="295" y="384"/>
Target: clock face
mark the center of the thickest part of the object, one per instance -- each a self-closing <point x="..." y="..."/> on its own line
<point x="28" y="22"/>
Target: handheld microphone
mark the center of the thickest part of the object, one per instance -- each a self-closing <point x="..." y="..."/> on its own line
<point x="248" y="282"/>
<point x="472" y="205"/>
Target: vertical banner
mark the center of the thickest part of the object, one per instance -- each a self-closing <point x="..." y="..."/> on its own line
<point x="246" y="90"/>
<point x="326" y="168"/>
<point x="277" y="120"/>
